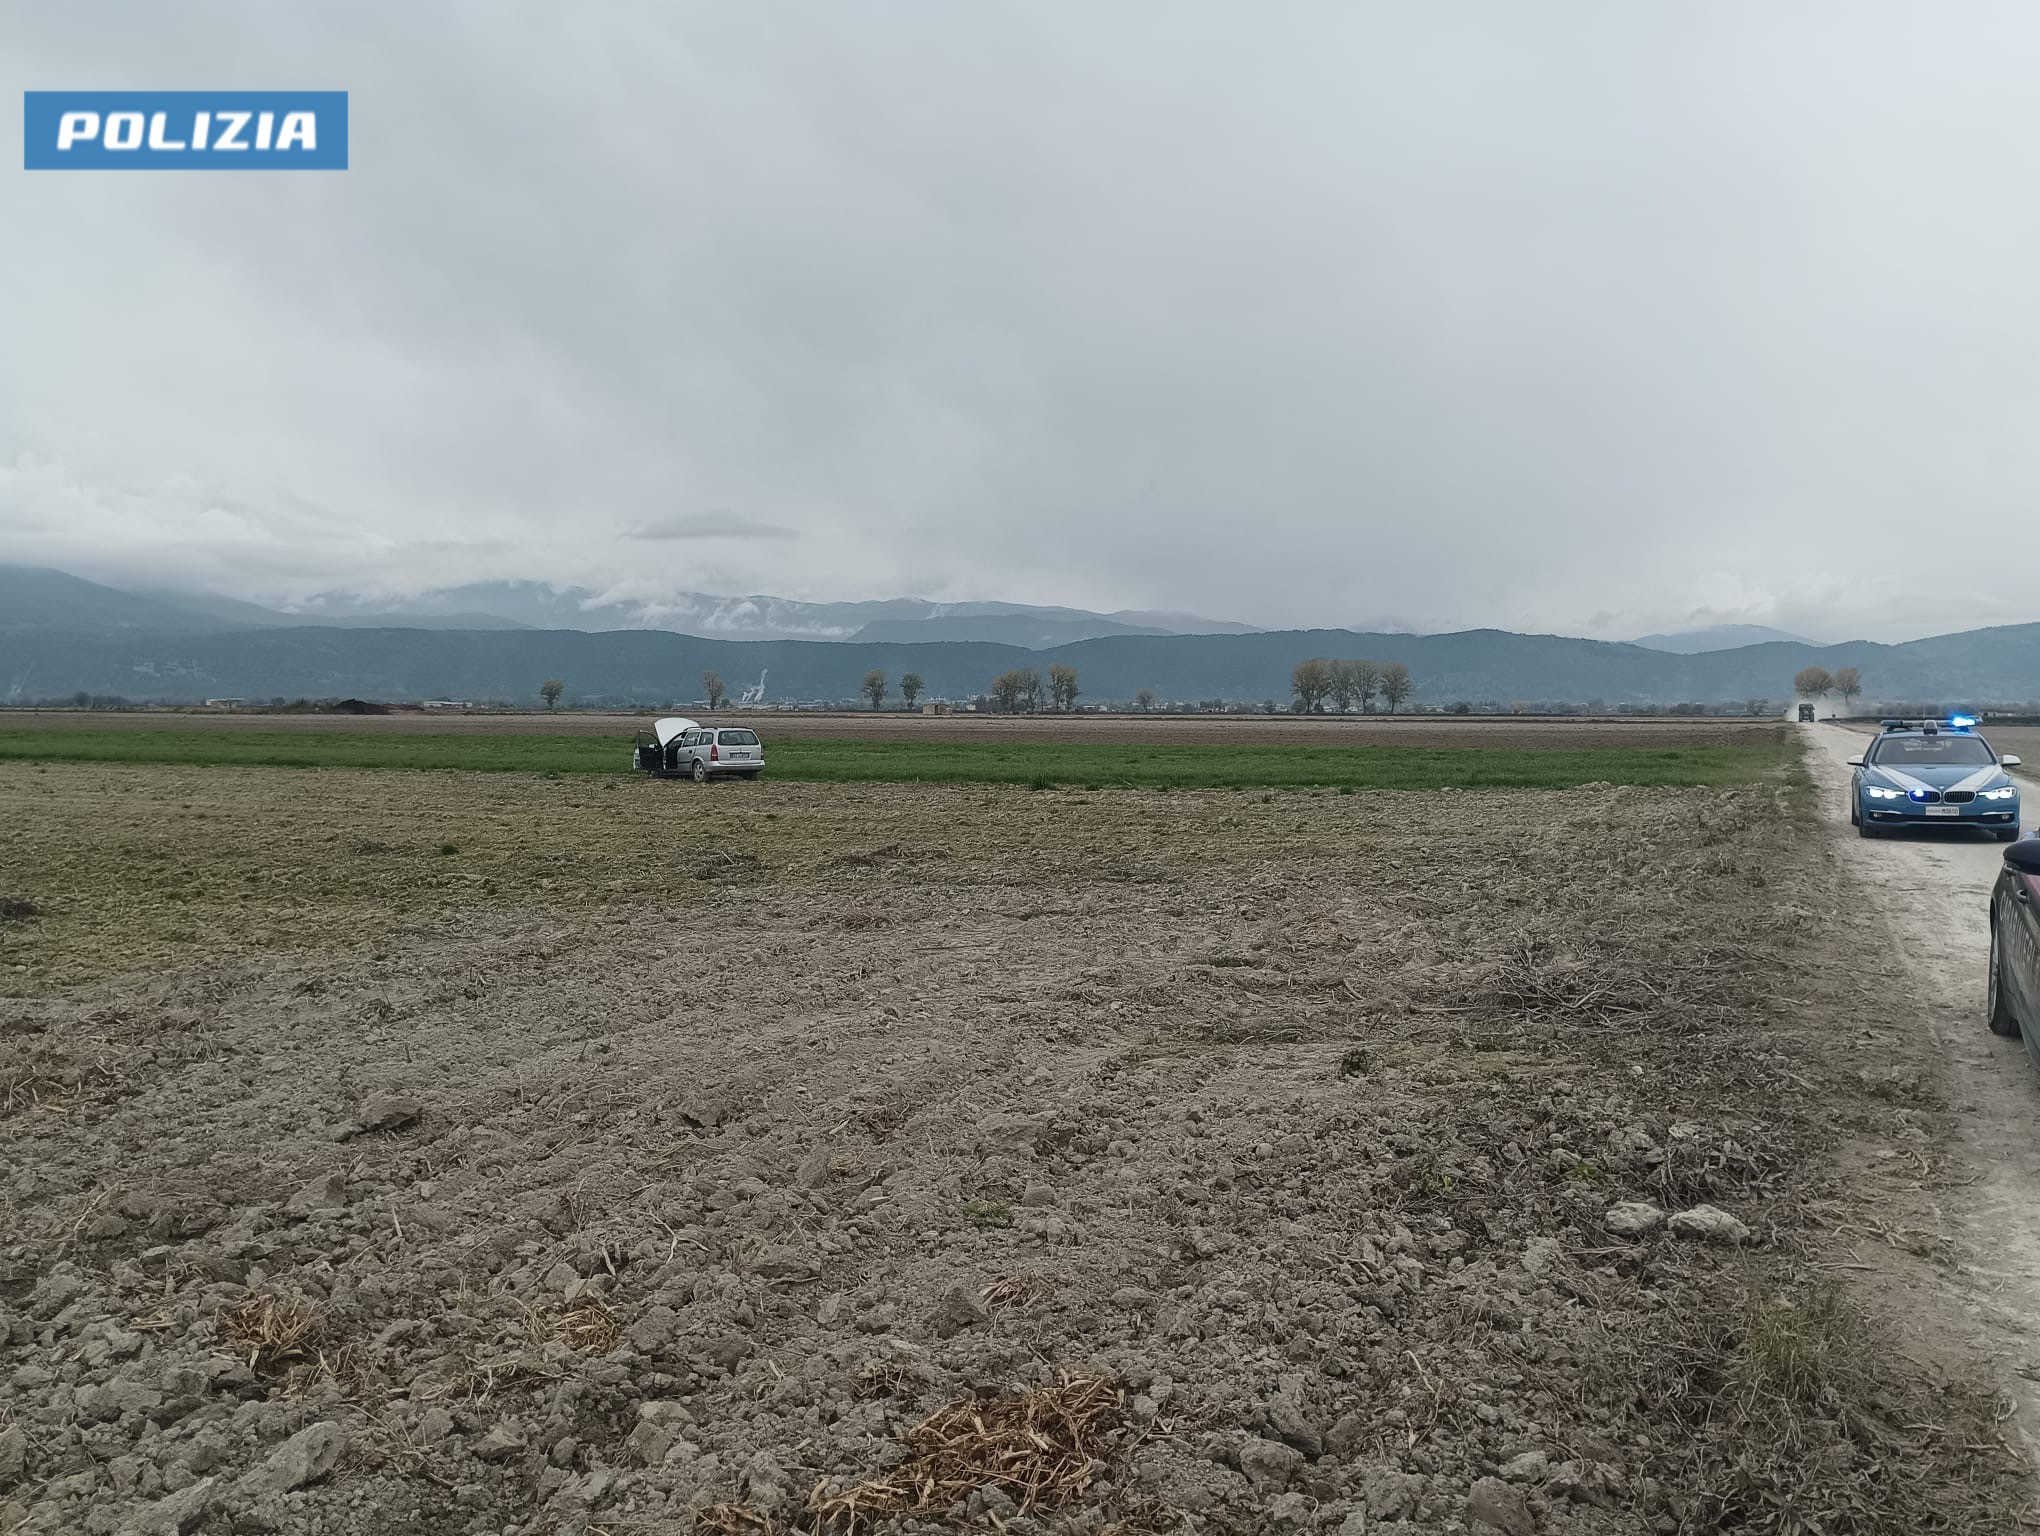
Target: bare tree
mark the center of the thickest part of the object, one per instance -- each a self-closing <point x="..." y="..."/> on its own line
<point x="712" y="686"/>
<point x="1006" y="690"/>
<point x="1062" y="687"/>
<point x="1363" y="677"/>
<point x="1030" y="688"/>
<point x="550" y="690"/>
<point x="1396" y="685"/>
<point x="1757" y="706"/>
<point x="1144" y="700"/>
<point x="910" y="688"/>
<point x="1340" y="686"/>
<point x="1813" y="682"/>
<point x="874" y="687"/>
<point x="1848" y="683"/>
<point x="1311" y="681"/>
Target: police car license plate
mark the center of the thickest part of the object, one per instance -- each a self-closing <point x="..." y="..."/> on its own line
<point x="1944" y="810"/>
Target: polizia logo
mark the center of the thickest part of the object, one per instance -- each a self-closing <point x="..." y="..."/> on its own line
<point x="184" y="130"/>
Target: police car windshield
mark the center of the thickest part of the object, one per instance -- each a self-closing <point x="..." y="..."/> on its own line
<point x="1943" y="751"/>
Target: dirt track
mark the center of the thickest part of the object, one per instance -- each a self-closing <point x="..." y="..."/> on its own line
<point x="1527" y="734"/>
<point x="459" y="1154"/>
<point x="1928" y="894"/>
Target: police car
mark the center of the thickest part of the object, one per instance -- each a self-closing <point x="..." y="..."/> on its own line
<point x="1933" y="773"/>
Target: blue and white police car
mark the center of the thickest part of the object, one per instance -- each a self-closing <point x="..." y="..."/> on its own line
<point x="1933" y="773"/>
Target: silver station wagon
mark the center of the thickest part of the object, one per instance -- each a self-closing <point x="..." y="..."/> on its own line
<point x="680" y="747"/>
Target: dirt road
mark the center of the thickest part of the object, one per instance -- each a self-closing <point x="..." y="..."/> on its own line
<point x="1931" y="894"/>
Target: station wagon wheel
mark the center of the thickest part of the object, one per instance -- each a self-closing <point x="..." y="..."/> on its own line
<point x="700" y="771"/>
<point x="1998" y="1006"/>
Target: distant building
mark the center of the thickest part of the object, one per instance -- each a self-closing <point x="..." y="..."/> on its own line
<point x="445" y="704"/>
<point x="938" y="709"/>
<point x="224" y="703"/>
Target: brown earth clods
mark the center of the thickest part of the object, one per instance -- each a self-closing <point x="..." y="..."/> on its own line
<point x="1526" y="734"/>
<point x="881" y="1158"/>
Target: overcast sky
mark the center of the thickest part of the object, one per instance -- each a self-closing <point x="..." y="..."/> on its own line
<point x="1591" y="318"/>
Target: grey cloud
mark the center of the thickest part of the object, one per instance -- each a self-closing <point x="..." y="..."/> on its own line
<point x="719" y="523"/>
<point x="1502" y="315"/>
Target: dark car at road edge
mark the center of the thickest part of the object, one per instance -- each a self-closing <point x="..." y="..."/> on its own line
<point x="2013" y="1008"/>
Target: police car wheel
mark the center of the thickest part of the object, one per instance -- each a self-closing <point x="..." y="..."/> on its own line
<point x="2008" y="835"/>
<point x="1867" y="830"/>
<point x="1998" y="1008"/>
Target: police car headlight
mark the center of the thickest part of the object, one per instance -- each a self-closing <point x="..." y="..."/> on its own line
<point x="2006" y="792"/>
<point x="1878" y="792"/>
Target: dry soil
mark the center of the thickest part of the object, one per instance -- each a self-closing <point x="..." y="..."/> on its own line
<point x="473" y="1153"/>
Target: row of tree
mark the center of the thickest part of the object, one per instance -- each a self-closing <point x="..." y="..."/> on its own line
<point x="874" y="687"/>
<point x="1317" y="682"/>
<point x="1818" y="683"/>
<point x="1021" y="688"/>
<point x="1347" y="684"/>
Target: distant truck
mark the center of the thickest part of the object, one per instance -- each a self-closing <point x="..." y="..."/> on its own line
<point x="1806" y="714"/>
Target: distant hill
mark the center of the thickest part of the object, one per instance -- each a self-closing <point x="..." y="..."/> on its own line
<point x="1718" y="637"/>
<point x="1179" y="623"/>
<point x="999" y="629"/>
<point x="60" y="635"/>
<point x="45" y="596"/>
<point x="541" y="605"/>
<point x="35" y="598"/>
<point x="1482" y="666"/>
<point x="211" y="605"/>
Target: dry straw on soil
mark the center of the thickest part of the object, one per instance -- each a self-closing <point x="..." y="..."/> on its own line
<point x="1041" y="1449"/>
<point x="271" y="1332"/>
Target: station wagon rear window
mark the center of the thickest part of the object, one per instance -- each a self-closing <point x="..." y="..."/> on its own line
<point x="738" y="738"/>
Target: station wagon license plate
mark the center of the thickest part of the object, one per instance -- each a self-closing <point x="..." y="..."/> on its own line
<point x="1944" y="810"/>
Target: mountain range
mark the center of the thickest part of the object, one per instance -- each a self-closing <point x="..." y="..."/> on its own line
<point x="60" y="635"/>
<point x="541" y="605"/>
<point x="1717" y="637"/>
<point x="33" y="595"/>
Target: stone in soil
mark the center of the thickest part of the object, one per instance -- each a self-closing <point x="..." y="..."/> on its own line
<point x="389" y="1112"/>
<point x="1634" y="1218"/>
<point x="1709" y="1224"/>
<point x="1267" y="1464"/>
<point x="304" y="1458"/>
<point x="1499" y="1506"/>
<point x="322" y="1194"/>
<point x="174" y="1515"/>
<point x="500" y="1442"/>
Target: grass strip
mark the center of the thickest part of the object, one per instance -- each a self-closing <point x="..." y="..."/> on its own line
<point x="1039" y="764"/>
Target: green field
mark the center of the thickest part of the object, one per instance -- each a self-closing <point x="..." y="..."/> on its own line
<point x="1172" y="766"/>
